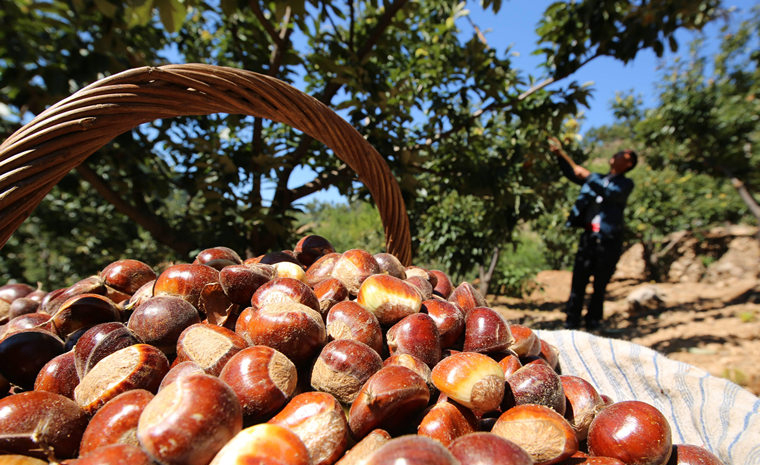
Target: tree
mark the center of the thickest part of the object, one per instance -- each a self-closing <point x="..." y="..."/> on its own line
<point x="459" y="126"/>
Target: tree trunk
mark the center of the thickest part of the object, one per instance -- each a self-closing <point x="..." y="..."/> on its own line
<point x="486" y="275"/>
<point x="747" y="197"/>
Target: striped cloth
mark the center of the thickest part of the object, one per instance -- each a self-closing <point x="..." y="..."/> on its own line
<point x="702" y="409"/>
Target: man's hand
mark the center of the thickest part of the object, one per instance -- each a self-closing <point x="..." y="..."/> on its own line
<point x="555" y="146"/>
<point x="581" y="172"/>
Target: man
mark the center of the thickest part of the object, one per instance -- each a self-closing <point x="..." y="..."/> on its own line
<point x="598" y="210"/>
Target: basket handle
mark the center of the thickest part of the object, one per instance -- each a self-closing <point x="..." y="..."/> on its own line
<point x="37" y="156"/>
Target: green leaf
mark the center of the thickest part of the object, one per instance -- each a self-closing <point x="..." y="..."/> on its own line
<point x="172" y="13"/>
<point x="107" y="8"/>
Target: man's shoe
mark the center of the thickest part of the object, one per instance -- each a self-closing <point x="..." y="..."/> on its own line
<point x="594" y="326"/>
<point x="570" y="324"/>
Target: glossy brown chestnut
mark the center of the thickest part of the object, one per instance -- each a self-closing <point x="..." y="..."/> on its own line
<point x="139" y="366"/>
<point x="12" y="291"/>
<point x="116" y="421"/>
<point x="280" y="290"/>
<point x="549" y="353"/>
<point x="294" y="329"/>
<point x="342" y="368"/>
<point x="127" y="275"/>
<point x="239" y="282"/>
<point x="416" y="335"/>
<point x="391" y="265"/>
<point x="353" y="267"/>
<point x="321" y="269"/>
<point x="422" y="285"/>
<point x="443" y="286"/>
<point x="690" y="454"/>
<point x="179" y="370"/>
<point x="486" y="331"/>
<point x="389" y="299"/>
<point x="84" y="311"/>
<point x="99" y="342"/>
<point x="583" y="403"/>
<point x="22" y="306"/>
<point x="311" y="247"/>
<point x="349" y="320"/>
<point x="329" y="292"/>
<point x="160" y="320"/>
<point x="388" y="400"/>
<point x="449" y="319"/>
<point x="35" y="347"/>
<point x="471" y="379"/>
<point x="484" y="448"/>
<point x="524" y="341"/>
<point x="190" y="420"/>
<point x="186" y="281"/>
<point x="631" y="431"/>
<point x="417" y="366"/>
<point x="264" y="444"/>
<point x="59" y="376"/>
<point x="263" y="380"/>
<point x="467" y="297"/>
<point x="542" y="432"/>
<point x="209" y="346"/>
<point x="16" y="459"/>
<point x="537" y="384"/>
<point x="318" y="420"/>
<point x="41" y="424"/>
<point x="510" y="363"/>
<point x="446" y="421"/>
<point x="217" y="253"/>
<point x="290" y="270"/>
<point x="54" y="299"/>
<point x="35" y="320"/>
<point x="412" y="449"/>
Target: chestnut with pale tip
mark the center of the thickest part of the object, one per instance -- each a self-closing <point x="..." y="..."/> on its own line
<point x="692" y="454"/>
<point x="632" y="431"/>
<point x="99" y="342"/>
<point x="446" y="421"/>
<point x="353" y="267"/>
<point x="389" y="299"/>
<point x="262" y="378"/>
<point x="209" y="346"/>
<point x="416" y="335"/>
<point x="160" y="320"/>
<point x="361" y="451"/>
<point x="342" y="368"/>
<point x="59" y="375"/>
<point x="349" y="320"/>
<point x="467" y="297"/>
<point x="318" y="420"/>
<point x="390" y="265"/>
<point x="189" y="421"/>
<point x="266" y="444"/>
<point x="486" y="331"/>
<point x="329" y="292"/>
<point x="542" y="432"/>
<point x="471" y="379"/>
<point x="537" y="383"/>
<point x="583" y="403"/>
<point x="284" y="289"/>
<point x="127" y="275"/>
<point x="449" y="319"/>
<point x="412" y="449"/>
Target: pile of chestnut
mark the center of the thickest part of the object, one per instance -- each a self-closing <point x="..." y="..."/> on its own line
<point x="302" y="357"/>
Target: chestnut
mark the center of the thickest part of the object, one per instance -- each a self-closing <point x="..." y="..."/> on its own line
<point x="691" y="454"/>
<point x="294" y="329"/>
<point x="186" y="281"/>
<point x="388" y="400"/>
<point x="12" y="291"/>
<point x="631" y="431"/>
<point x="284" y="290"/>
<point x="583" y="403"/>
<point x="467" y="297"/>
<point x="127" y="275"/>
<point x="416" y="365"/>
<point x="390" y="265"/>
<point x="239" y="282"/>
<point x="510" y="363"/>
<point x="209" y="346"/>
<point x="471" y="379"/>
<point x="54" y="299"/>
<point x="353" y="267"/>
<point x="84" y="311"/>
<point x="115" y="454"/>
<point x="389" y="299"/>
<point x="264" y="443"/>
<point x="329" y="292"/>
<point x="486" y="331"/>
<point x="41" y="424"/>
<point x="361" y="451"/>
<point x="116" y="421"/>
<point x="290" y="270"/>
<point x="412" y="449"/>
<point x="342" y="368"/>
<point x="178" y="370"/>
<point x="311" y="247"/>
<point x="537" y="384"/>
<point x="542" y="432"/>
<point x="35" y="347"/>
<point x="262" y="378"/>
<point x="446" y="421"/>
<point x="139" y="366"/>
<point x="190" y="420"/>
<point x="321" y="269"/>
<point x="449" y="319"/>
<point x="16" y="459"/>
<point x="318" y="420"/>
<point x="22" y="306"/>
<point x="160" y="320"/>
<point x="422" y="285"/>
<point x="35" y="320"/>
<point x="443" y="286"/>
<point x="349" y="320"/>
<point x="416" y="334"/>
<point x="100" y="341"/>
<point x="216" y="254"/>
<point x="525" y="341"/>
<point x="549" y="353"/>
<point x="59" y="375"/>
<point x="484" y="448"/>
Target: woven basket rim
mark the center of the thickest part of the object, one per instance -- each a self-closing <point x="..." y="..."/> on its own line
<point x="38" y="155"/>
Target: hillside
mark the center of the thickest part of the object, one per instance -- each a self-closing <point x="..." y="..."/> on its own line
<point x="706" y="313"/>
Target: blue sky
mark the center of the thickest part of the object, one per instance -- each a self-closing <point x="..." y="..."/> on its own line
<point x="514" y="28"/>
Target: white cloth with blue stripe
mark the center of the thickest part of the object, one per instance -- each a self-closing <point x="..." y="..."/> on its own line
<point x="702" y="409"/>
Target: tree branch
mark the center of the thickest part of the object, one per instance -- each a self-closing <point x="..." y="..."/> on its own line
<point x="155" y="225"/>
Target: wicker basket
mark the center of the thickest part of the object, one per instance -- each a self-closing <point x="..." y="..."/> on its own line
<point x="37" y="156"/>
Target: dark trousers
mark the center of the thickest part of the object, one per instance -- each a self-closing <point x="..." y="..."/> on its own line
<point x="597" y="256"/>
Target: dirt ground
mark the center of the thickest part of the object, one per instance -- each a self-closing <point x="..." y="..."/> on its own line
<point x="714" y="326"/>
